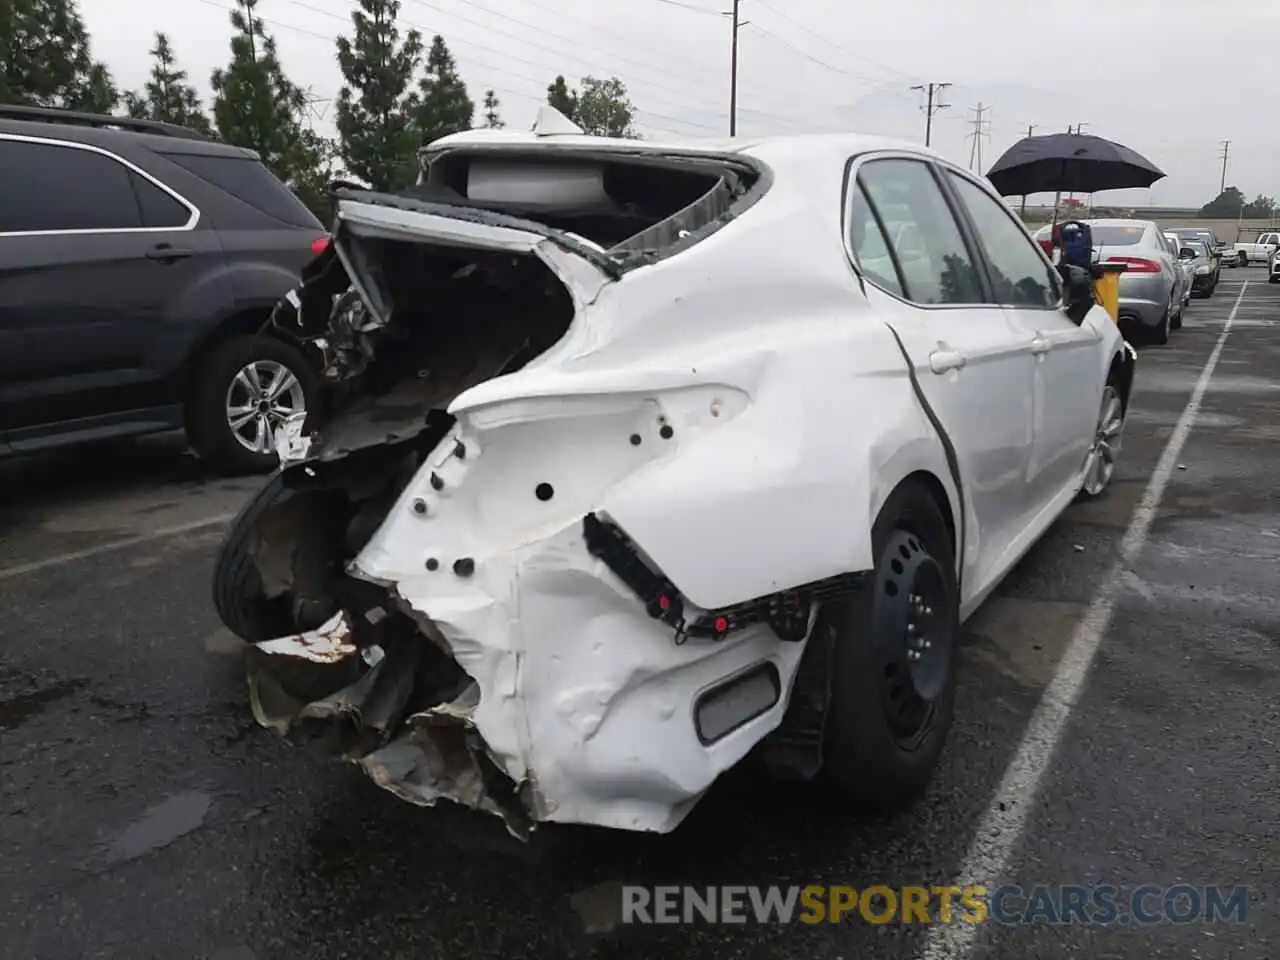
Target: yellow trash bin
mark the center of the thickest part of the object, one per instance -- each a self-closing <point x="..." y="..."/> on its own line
<point x="1106" y="287"/>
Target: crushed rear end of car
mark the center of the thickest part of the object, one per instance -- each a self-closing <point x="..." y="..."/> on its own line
<point x="472" y="618"/>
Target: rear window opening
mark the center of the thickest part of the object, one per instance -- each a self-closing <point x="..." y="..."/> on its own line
<point x="629" y="206"/>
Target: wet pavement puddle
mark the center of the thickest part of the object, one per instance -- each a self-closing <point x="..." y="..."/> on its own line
<point x="159" y="826"/>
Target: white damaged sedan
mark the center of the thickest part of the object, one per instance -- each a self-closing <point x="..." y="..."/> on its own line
<point x="635" y="459"/>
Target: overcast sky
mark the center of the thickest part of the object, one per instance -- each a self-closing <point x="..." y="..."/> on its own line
<point x="1169" y="78"/>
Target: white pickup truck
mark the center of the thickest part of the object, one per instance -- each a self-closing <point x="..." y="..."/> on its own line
<point x="1259" y="251"/>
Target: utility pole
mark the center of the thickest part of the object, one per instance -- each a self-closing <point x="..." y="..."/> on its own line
<point x="733" y="68"/>
<point x="1031" y="129"/>
<point x="1226" y="154"/>
<point x="931" y="107"/>
<point x="975" y="151"/>
<point x="1076" y="131"/>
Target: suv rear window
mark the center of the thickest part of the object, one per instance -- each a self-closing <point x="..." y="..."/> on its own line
<point x="248" y="180"/>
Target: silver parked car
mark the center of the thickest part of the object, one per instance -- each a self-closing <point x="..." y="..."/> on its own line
<point x="1148" y="284"/>
<point x="1195" y="256"/>
<point x="1186" y="276"/>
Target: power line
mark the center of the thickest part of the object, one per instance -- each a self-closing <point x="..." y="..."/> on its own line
<point x="688" y="6"/>
<point x="979" y="131"/>
<point x="845" y="50"/>
<point x="930" y="106"/>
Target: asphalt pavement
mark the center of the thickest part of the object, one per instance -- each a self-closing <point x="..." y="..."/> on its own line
<point x="143" y="813"/>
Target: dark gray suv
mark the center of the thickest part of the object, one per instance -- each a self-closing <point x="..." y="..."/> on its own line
<point x="139" y="263"/>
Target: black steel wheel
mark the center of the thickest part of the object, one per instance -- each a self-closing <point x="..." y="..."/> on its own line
<point x="894" y="658"/>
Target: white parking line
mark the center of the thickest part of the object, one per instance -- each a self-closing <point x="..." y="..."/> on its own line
<point x="988" y="857"/>
<point x="163" y="533"/>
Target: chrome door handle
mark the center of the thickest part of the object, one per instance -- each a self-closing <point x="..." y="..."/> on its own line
<point x="1040" y="345"/>
<point x="941" y="361"/>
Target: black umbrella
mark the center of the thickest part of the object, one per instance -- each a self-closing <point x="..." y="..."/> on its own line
<point x="1070" y="162"/>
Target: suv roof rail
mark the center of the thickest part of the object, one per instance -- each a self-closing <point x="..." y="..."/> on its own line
<point x="57" y="115"/>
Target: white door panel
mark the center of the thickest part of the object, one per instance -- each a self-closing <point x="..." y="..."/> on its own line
<point x="976" y="374"/>
<point x="1067" y="391"/>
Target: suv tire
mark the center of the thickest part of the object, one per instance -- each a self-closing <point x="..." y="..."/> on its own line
<point x="269" y="362"/>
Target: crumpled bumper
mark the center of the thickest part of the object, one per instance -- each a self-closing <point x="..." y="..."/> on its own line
<point x="575" y="703"/>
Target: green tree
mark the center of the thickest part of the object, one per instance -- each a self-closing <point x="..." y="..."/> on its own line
<point x="93" y="91"/>
<point x="491" y="105"/>
<point x="167" y="96"/>
<point x="45" y="58"/>
<point x="255" y="105"/>
<point x="604" y="109"/>
<point x="444" y="106"/>
<point x="1229" y="203"/>
<point x="560" y="96"/>
<point x="377" y="104"/>
<point x="1259" y="207"/>
<point x="317" y="168"/>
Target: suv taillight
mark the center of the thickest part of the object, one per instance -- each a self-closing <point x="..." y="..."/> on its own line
<point x="1136" y="264"/>
<point x="319" y="246"/>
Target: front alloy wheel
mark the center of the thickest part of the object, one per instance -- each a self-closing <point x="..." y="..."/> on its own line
<point x="261" y="398"/>
<point x="1100" y="464"/>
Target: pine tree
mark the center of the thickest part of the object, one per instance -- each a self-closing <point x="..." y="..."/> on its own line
<point x="45" y="58"/>
<point x="377" y="105"/>
<point x="167" y="96"/>
<point x="255" y="105"/>
<point x="444" y="107"/>
<point x="491" y="105"/>
<point x="562" y="98"/>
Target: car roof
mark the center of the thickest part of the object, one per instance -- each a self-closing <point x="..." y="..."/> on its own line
<point x="771" y="149"/>
<point x="110" y="138"/>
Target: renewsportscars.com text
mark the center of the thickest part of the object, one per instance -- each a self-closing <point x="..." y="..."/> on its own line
<point x="1010" y="905"/>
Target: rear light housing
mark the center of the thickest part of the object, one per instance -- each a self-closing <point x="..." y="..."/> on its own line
<point x="319" y="245"/>
<point x="1136" y="264"/>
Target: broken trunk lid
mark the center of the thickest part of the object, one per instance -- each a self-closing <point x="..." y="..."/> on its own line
<point x="465" y="226"/>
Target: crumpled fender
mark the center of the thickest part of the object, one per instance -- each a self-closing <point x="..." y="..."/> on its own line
<point x="794" y="481"/>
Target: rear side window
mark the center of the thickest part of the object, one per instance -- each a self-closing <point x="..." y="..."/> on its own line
<point x="934" y="261"/>
<point x="249" y="181"/>
<point x="159" y="209"/>
<point x="51" y="187"/>
<point x="869" y="247"/>
<point x="1019" y="275"/>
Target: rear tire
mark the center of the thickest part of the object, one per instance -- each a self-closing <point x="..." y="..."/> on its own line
<point x="238" y="595"/>
<point x="889" y="713"/>
<point x="1160" y="333"/>
<point x="209" y="429"/>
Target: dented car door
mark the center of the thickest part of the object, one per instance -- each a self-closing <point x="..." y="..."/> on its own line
<point x="972" y="372"/>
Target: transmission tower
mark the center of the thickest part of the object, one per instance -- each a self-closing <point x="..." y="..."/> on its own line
<point x="980" y="130"/>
